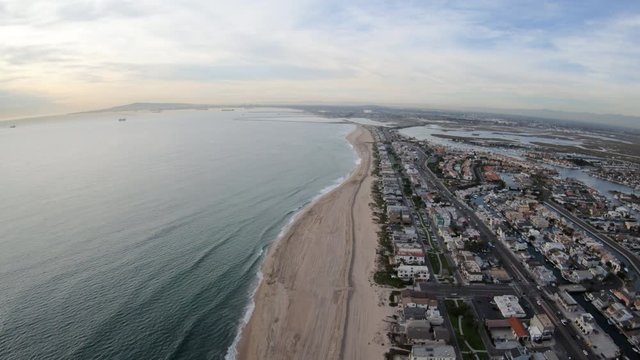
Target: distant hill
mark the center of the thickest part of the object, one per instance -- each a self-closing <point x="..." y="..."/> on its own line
<point x="599" y="120"/>
<point x="153" y="107"/>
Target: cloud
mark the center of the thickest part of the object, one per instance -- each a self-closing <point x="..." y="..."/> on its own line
<point x="24" y="55"/>
<point x="494" y="53"/>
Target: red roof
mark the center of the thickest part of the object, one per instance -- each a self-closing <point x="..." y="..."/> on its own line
<point x="517" y="327"/>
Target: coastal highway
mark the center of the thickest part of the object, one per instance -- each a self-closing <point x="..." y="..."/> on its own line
<point x="458" y="290"/>
<point x="523" y="286"/>
<point x="632" y="259"/>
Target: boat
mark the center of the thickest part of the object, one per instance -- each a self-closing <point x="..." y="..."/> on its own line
<point x="228" y="110"/>
<point x="122" y="119"/>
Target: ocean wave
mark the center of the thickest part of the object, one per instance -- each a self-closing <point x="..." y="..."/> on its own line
<point x="232" y="352"/>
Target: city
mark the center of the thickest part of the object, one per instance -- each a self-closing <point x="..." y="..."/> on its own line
<point x="496" y="257"/>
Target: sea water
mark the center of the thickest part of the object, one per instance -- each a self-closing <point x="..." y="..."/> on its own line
<point x="143" y="239"/>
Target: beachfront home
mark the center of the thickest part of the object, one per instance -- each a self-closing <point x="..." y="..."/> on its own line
<point x="409" y="256"/>
<point x="418" y="332"/>
<point x="397" y="214"/>
<point x="434" y="317"/>
<point x="407" y="299"/>
<point x="432" y="352"/>
<point x="413" y="272"/>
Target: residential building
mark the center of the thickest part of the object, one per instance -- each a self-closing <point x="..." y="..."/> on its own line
<point x="432" y="352"/>
<point x="509" y="306"/>
<point x="584" y="322"/>
<point x="415" y="272"/>
<point x="541" y="327"/>
<point x="567" y="302"/>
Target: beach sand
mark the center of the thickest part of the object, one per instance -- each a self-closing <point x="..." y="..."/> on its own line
<point x="317" y="299"/>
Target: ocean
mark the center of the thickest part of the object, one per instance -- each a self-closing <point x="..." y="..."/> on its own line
<point x="143" y="239"/>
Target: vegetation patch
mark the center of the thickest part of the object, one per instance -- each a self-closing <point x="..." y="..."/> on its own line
<point x="467" y="330"/>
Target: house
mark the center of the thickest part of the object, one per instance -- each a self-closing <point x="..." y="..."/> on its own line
<point x="618" y="313"/>
<point x="519" y="246"/>
<point x="413" y="313"/>
<point x="434" y="317"/>
<point x="549" y="247"/>
<point x="409" y="301"/>
<point x="416" y="272"/>
<point x="501" y="333"/>
<point x="441" y="333"/>
<point x="395" y="214"/>
<point x="517" y="353"/>
<point x="409" y="256"/>
<point x="471" y="271"/>
<point x="432" y="352"/>
<point x="418" y="332"/>
<point x="577" y="276"/>
<point x="518" y="329"/>
<point x="543" y="276"/>
<point x="541" y="327"/>
<point x="584" y="322"/>
<point x="567" y="302"/>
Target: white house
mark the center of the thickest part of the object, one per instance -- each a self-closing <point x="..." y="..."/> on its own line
<point x="417" y="272"/>
<point x="410" y="257"/>
<point x="509" y="306"/>
<point x="432" y="352"/>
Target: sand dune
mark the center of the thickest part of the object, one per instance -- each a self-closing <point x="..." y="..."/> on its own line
<point x="316" y="300"/>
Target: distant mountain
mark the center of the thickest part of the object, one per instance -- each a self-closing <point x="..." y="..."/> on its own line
<point x="153" y="107"/>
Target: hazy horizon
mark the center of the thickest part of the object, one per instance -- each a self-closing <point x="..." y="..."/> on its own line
<point x="72" y="56"/>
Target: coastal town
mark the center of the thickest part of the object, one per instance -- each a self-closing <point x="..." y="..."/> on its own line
<point x="491" y="256"/>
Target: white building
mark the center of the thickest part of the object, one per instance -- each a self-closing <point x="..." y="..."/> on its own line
<point x="584" y="322"/>
<point x="434" y="316"/>
<point x="541" y="327"/>
<point x="432" y="352"/>
<point x="409" y="257"/>
<point x="509" y="306"/>
<point x="417" y="272"/>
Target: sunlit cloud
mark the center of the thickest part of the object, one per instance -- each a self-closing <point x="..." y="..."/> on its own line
<point x="80" y="55"/>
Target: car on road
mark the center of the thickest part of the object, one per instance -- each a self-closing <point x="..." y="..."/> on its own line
<point x="563" y="321"/>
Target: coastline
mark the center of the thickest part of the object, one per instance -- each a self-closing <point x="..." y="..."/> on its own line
<point x="316" y="299"/>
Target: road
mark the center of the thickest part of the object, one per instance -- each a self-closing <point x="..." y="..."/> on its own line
<point x="448" y="290"/>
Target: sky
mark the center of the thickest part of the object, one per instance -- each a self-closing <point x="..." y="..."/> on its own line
<point x="75" y="55"/>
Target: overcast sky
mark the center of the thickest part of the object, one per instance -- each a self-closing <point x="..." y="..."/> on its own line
<point x="62" y="56"/>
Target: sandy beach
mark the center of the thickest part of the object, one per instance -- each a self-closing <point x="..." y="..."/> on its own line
<point x="317" y="300"/>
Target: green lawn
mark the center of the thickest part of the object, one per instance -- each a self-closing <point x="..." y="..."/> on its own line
<point x="385" y="278"/>
<point x="433" y="259"/>
<point x="446" y="264"/>
<point x="470" y="326"/>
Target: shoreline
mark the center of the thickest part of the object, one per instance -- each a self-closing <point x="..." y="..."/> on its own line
<point x="304" y="305"/>
<point x="232" y="351"/>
